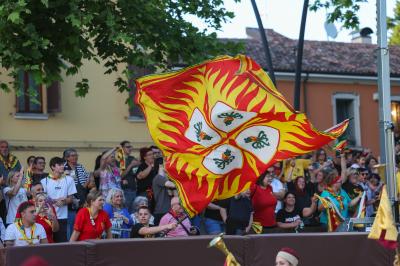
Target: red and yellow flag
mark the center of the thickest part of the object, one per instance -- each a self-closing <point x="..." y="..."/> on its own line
<point x="220" y="124"/>
<point x="333" y="215"/>
<point x="120" y="157"/>
<point x="341" y="146"/>
<point x="384" y="228"/>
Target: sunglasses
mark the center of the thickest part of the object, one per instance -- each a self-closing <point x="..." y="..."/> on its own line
<point x="364" y="174"/>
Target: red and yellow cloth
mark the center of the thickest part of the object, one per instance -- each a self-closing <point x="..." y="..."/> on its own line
<point x="120" y="157"/>
<point x="384" y="228"/>
<point x="221" y="124"/>
<point x="333" y="215"/>
<point x="10" y="162"/>
<point x="341" y="146"/>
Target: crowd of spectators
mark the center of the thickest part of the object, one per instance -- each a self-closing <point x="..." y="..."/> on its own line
<point x="126" y="197"/>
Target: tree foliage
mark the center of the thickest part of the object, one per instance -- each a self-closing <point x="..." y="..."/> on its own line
<point x="47" y="38"/>
<point x="344" y="11"/>
<point x="394" y="25"/>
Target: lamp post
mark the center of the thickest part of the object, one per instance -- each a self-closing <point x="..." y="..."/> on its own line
<point x="386" y="127"/>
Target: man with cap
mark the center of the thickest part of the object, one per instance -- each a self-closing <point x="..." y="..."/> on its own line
<point x="287" y="257"/>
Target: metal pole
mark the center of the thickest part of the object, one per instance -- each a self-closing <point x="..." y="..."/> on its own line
<point x="265" y="42"/>
<point x="299" y="58"/>
<point x="385" y="120"/>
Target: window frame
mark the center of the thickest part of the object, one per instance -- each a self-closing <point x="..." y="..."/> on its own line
<point x="27" y="109"/>
<point x="356" y="105"/>
<point x="137" y="72"/>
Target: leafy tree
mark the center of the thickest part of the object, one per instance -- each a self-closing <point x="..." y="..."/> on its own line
<point x="394" y="25"/>
<point x="47" y="38"/>
<point x="344" y="11"/>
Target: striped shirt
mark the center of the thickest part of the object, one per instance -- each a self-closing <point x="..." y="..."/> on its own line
<point x="80" y="174"/>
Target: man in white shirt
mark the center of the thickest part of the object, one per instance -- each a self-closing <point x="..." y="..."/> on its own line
<point x="60" y="190"/>
<point x="25" y="232"/>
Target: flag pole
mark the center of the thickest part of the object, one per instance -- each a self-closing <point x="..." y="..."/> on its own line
<point x="299" y="58"/>
<point x="385" y="122"/>
<point x="265" y="42"/>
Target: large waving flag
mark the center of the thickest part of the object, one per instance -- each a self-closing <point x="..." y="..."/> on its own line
<point x="220" y="124"/>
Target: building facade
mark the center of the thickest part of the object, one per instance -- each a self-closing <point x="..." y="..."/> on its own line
<point x="339" y="81"/>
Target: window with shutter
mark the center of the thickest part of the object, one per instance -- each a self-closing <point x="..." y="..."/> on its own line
<point x="29" y="96"/>
<point x="54" y="98"/>
<point x="347" y="106"/>
<point x="135" y="113"/>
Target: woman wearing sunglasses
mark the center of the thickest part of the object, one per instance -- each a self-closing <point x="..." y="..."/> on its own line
<point x="92" y="222"/>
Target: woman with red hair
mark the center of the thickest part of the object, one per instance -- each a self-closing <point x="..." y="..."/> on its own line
<point x="337" y="196"/>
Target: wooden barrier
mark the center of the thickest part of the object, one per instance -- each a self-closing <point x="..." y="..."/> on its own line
<point x="254" y="250"/>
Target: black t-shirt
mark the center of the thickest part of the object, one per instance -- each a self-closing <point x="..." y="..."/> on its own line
<point x="303" y="200"/>
<point x="215" y="214"/>
<point x="131" y="175"/>
<point x="240" y="210"/>
<point x="144" y="184"/>
<point x="37" y="177"/>
<point x="284" y="216"/>
<point x="135" y="231"/>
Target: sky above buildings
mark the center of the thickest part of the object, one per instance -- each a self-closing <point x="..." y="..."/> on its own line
<point x="284" y="16"/>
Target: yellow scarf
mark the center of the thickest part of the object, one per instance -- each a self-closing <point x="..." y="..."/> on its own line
<point x="28" y="179"/>
<point x="10" y="163"/>
<point x="52" y="177"/>
<point x="338" y="197"/>
<point x="21" y="228"/>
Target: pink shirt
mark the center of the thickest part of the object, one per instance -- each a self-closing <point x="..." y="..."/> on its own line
<point x="178" y="231"/>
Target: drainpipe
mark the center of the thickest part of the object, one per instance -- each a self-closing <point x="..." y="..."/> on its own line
<point x="305" y="92"/>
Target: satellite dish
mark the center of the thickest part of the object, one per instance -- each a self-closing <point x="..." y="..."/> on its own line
<point x="330" y="29"/>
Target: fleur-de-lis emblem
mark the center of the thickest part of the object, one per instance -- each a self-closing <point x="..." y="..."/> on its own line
<point x="229" y="117"/>
<point x="201" y="135"/>
<point x="225" y="160"/>
<point x="258" y="142"/>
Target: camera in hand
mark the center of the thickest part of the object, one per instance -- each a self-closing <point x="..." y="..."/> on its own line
<point x="159" y="161"/>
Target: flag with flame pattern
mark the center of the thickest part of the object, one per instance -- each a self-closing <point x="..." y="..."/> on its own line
<point x="220" y="124"/>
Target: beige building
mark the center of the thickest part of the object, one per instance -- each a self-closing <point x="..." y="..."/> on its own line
<point x="339" y="81"/>
<point x="60" y="119"/>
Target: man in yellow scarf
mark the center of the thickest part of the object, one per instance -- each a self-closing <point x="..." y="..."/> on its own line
<point x="8" y="162"/>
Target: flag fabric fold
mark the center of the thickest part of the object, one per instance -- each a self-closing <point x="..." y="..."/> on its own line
<point x="360" y="213"/>
<point x="384" y="228"/>
<point x="333" y="215"/>
<point x="120" y="157"/>
<point x="221" y="124"/>
<point x="340" y="146"/>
